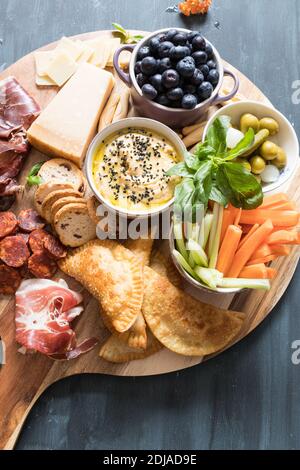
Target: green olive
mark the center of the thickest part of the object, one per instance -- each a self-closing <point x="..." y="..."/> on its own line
<point x="270" y="124"/>
<point x="268" y="150"/>
<point x="257" y="164"/>
<point x="281" y="160"/>
<point x="243" y="162"/>
<point x="247" y="121"/>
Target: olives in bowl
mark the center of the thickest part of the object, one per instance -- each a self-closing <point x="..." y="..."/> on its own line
<point x="274" y="153"/>
<point x="175" y="75"/>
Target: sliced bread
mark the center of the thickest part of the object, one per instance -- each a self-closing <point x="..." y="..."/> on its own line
<point x="74" y="226"/>
<point x="55" y="196"/>
<point x="59" y="170"/>
<point x="45" y="189"/>
<point x="62" y="203"/>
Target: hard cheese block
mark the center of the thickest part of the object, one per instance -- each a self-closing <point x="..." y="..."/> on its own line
<point x="67" y="125"/>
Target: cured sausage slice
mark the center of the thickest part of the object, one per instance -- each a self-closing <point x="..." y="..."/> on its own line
<point x="30" y="220"/>
<point x="54" y="247"/>
<point x="10" y="279"/>
<point x="8" y="223"/>
<point x="14" y="251"/>
<point x="36" y="239"/>
<point x="41" y="266"/>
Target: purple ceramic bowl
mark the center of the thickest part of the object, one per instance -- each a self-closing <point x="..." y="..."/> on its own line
<point x="173" y="117"/>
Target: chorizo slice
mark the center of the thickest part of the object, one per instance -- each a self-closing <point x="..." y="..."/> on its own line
<point x="14" y="251"/>
<point x="54" y="248"/>
<point x="10" y="279"/>
<point x="41" y="266"/>
<point x="36" y="239"/>
<point x="8" y="223"/>
<point x="30" y="220"/>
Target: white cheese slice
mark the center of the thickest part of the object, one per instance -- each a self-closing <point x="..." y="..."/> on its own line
<point x="61" y="68"/>
<point x="42" y="61"/>
<point x="86" y="54"/>
<point x="44" y="81"/>
<point x="72" y="48"/>
<point x="114" y="45"/>
<point x="68" y="124"/>
<point x="101" y="54"/>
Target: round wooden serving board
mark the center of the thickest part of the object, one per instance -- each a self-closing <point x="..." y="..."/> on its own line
<point x="24" y="377"/>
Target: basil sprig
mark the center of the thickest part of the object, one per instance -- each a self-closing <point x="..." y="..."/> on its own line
<point x="211" y="174"/>
<point x="125" y="36"/>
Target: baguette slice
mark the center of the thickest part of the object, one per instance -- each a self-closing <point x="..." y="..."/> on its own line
<point x="74" y="226"/>
<point x="59" y="170"/>
<point x="62" y="203"/>
<point x="44" y="190"/>
<point x="55" y="196"/>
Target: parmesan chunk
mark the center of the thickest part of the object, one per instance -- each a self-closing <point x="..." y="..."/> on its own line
<point x="67" y="125"/>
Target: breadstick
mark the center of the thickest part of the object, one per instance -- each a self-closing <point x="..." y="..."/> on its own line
<point x="194" y="137"/>
<point x="121" y="110"/>
<point x="189" y="129"/>
<point x="109" y="110"/>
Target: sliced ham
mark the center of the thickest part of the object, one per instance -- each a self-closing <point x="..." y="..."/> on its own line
<point x="44" y="310"/>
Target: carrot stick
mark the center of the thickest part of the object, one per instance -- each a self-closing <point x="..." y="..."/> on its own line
<point x="237" y="217"/>
<point x="265" y="260"/>
<point x="248" y="235"/>
<point x="243" y="255"/>
<point x="274" y="200"/>
<point x="271" y="272"/>
<point x="284" y="237"/>
<point x="280" y="218"/>
<point x="267" y="250"/>
<point x="256" y="271"/>
<point x="284" y="206"/>
<point x="228" y="219"/>
<point x="228" y="248"/>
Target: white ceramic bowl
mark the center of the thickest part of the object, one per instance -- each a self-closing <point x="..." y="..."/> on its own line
<point x="138" y="122"/>
<point x="286" y="137"/>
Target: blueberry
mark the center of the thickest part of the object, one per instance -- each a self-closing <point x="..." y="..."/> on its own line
<point x="204" y="69"/>
<point x="149" y="91"/>
<point x="211" y="64"/>
<point x="205" y="91"/>
<point x="170" y="34"/>
<point x="154" y="44"/>
<point x="149" y="65"/>
<point x="155" y="81"/>
<point x="191" y="35"/>
<point x="141" y="79"/>
<point x="163" y="100"/>
<point x="137" y="68"/>
<point x="199" y="43"/>
<point x="189" y="89"/>
<point x="186" y="67"/>
<point x="197" y="78"/>
<point x="162" y="37"/>
<point x="175" y="94"/>
<point x="170" y="78"/>
<point x="213" y="77"/>
<point x="209" y="51"/>
<point x="200" y="58"/>
<point x="189" y="101"/>
<point x="180" y="39"/>
<point x="164" y="49"/>
<point x="143" y="52"/>
<point x="179" y="52"/>
<point x="164" y="64"/>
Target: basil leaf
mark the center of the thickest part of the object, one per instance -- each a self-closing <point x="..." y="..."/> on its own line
<point x="184" y="192"/>
<point x="203" y="182"/>
<point x="136" y="38"/>
<point x="180" y="169"/>
<point x="217" y="133"/>
<point x="239" y="186"/>
<point x="120" y="29"/>
<point x="217" y="196"/>
<point x="242" y="146"/>
<point x="32" y="178"/>
<point x="203" y="151"/>
<point x="191" y="161"/>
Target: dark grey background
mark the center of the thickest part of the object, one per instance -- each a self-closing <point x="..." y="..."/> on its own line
<point x="249" y="396"/>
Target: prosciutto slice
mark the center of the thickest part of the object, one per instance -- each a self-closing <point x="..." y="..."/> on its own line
<point x="44" y="310"/>
<point x="17" y="112"/>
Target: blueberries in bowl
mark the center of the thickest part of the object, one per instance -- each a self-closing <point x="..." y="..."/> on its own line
<point x="177" y="69"/>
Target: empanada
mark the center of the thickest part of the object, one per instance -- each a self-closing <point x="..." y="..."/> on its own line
<point x="183" y="324"/>
<point x="113" y="275"/>
<point x="162" y="264"/>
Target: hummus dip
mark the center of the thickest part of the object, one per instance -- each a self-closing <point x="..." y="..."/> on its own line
<point x="129" y="169"/>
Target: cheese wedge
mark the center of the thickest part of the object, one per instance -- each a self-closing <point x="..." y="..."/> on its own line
<point x="61" y="68"/>
<point x="68" y="124"/>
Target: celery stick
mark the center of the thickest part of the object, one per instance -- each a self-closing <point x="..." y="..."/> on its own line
<point x="213" y="230"/>
<point x="263" y="284"/>
<point x="213" y="255"/>
<point x="192" y="262"/>
<point x="210" y="277"/>
<point x="184" y="264"/>
<point x="207" y="223"/>
<point x="196" y="232"/>
<point x="179" y="238"/>
<point x="198" y="254"/>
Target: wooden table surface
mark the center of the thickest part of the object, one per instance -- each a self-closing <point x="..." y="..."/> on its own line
<point x="249" y="397"/>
